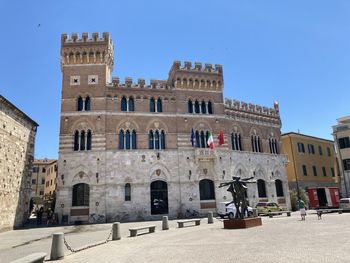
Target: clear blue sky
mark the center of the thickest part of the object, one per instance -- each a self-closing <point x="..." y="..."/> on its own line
<point x="295" y="52"/>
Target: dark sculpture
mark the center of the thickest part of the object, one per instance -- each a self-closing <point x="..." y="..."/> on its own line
<point x="238" y="190"/>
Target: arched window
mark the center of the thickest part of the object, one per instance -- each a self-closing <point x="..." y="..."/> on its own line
<point x="80" y="104"/>
<point x="123" y="104"/>
<point x="162" y="140"/>
<point x="133" y="140"/>
<point x="88" y="140"/>
<point x="279" y="188"/>
<point x="87" y="104"/>
<point x="273" y="146"/>
<point x="198" y="143"/>
<point x="236" y="142"/>
<point x="204" y="107"/>
<point x="81" y="193"/>
<point x="150" y="140"/>
<point x="76" y="141"/>
<point x="206" y="189"/>
<point x="259" y="145"/>
<point x="261" y="188"/>
<point x="127" y="192"/>
<point x="159" y="105"/>
<point x="121" y="139"/>
<point x="152" y="105"/>
<point x="190" y="106"/>
<point x="203" y="142"/>
<point x="156" y="140"/>
<point x="196" y="107"/>
<point x="131" y="104"/>
<point x="127" y="139"/>
<point x="256" y="146"/>
<point x="82" y="140"/>
<point x="210" y="108"/>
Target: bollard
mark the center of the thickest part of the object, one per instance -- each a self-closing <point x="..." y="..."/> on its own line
<point x="255" y="212"/>
<point x="57" y="247"/>
<point x="210" y="218"/>
<point x="116" y="231"/>
<point x="165" y="225"/>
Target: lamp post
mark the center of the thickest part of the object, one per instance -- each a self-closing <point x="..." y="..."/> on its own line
<point x="295" y="171"/>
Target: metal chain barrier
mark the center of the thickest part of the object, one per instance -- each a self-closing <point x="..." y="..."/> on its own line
<point x="87" y="247"/>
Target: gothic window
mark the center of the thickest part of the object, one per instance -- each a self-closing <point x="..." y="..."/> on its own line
<point x="206" y="189"/>
<point x="261" y="188"/>
<point x="198" y="144"/>
<point x="131" y="104"/>
<point x="156" y="140"/>
<point x="279" y="188"/>
<point x="190" y="106"/>
<point x="150" y="140"/>
<point x="133" y="140"/>
<point x="87" y="104"/>
<point x="210" y="108"/>
<point x="159" y="105"/>
<point x="203" y="143"/>
<point x="162" y="140"/>
<point x="121" y="139"/>
<point x="236" y="142"/>
<point x="81" y="194"/>
<point x="255" y="143"/>
<point x="88" y="140"/>
<point x="127" y="192"/>
<point x="204" y="107"/>
<point x="123" y="104"/>
<point x="80" y="104"/>
<point x="196" y="107"/>
<point x="127" y="140"/>
<point x="273" y="146"/>
<point x="76" y="141"/>
<point x="82" y="141"/>
<point x="152" y="105"/>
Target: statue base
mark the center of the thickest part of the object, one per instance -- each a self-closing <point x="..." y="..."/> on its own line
<point x="242" y="223"/>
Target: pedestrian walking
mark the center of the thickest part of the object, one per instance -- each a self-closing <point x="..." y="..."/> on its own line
<point x="302" y="210"/>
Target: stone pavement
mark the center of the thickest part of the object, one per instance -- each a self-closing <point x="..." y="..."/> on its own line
<point x="279" y="239"/>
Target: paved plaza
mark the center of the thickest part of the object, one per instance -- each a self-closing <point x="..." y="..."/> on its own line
<point x="279" y="239"/>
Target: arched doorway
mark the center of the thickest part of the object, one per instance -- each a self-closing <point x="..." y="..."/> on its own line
<point x="207" y="194"/>
<point x="159" y="198"/>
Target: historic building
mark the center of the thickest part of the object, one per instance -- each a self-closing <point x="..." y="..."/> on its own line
<point x="312" y="166"/>
<point x="341" y="134"/>
<point x="17" y="139"/>
<point x="136" y="151"/>
<point x="43" y="181"/>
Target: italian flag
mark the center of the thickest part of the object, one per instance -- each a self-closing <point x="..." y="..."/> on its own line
<point x="210" y="140"/>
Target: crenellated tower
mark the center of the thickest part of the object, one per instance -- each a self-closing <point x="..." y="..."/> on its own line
<point x="87" y="56"/>
<point x="197" y="78"/>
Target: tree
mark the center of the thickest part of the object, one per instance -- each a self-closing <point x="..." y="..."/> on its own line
<point x="294" y="198"/>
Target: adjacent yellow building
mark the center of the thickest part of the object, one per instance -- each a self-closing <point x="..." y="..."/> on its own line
<point x="312" y="165"/>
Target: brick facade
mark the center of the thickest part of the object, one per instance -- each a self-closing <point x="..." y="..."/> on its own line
<point x="92" y="112"/>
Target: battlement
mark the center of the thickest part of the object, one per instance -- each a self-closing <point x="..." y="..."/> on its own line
<point x="197" y="77"/>
<point x="141" y="83"/>
<point x="95" y="38"/>
<point x="208" y="68"/>
<point x="252" y="108"/>
<point x="85" y="50"/>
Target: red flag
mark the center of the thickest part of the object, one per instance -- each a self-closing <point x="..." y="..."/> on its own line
<point x="221" y="138"/>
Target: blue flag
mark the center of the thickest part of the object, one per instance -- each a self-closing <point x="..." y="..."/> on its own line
<point x="192" y="137"/>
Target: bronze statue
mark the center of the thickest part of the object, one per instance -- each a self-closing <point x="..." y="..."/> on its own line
<point x="238" y="190"/>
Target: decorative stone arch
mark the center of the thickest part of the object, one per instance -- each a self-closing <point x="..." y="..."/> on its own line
<point x="241" y="171"/>
<point x="159" y="171"/>
<point x="81" y="177"/>
<point x="127" y="124"/>
<point x="236" y="128"/>
<point x="202" y="125"/>
<point x="255" y="131"/>
<point x="157" y="124"/>
<point x="82" y="124"/>
<point x="260" y="172"/>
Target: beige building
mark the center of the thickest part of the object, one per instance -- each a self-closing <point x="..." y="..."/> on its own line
<point x="341" y="133"/>
<point x="135" y="151"/>
<point x="43" y="179"/>
<point x="17" y="139"/>
<point x="312" y="165"/>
